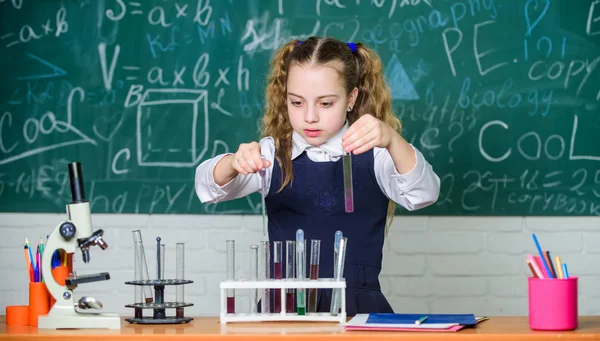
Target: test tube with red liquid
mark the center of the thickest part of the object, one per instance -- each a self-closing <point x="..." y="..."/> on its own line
<point x="315" y="252"/>
<point x="290" y="273"/>
<point x="230" y="259"/>
<point x="277" y="272"/>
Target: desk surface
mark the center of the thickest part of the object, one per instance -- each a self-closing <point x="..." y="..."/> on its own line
<point x="209" y="328"/>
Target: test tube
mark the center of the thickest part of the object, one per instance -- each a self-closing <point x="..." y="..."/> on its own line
<point x="254" y="277"/>
<point x="336" y="249"/>
<point x="266" y="264"/>
<point x="180" y="275"/>
<point x="341" y="257"/>
<point x="230" y="259"/>
<point x="348" y="193"/>
<point x="301" y="272"/>
<point x="137" y="266"/>
<point x="162" y="261"/>
<point x="277" y="272"/>
<point x="290" y="273"/>
<point x="315" y="251"/>
<point x="147" y="291"/>
<point x="263" y="191"/>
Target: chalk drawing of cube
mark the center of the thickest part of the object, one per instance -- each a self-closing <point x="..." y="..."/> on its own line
<point x="172" y="127"/>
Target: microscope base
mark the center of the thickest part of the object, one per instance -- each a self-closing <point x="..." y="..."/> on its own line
<point x="80" y="321"/>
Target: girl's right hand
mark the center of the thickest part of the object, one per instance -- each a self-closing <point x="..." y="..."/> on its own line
<point x="248" y="160"/>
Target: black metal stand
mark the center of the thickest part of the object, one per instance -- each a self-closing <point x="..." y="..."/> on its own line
<point x="159" y="306"/>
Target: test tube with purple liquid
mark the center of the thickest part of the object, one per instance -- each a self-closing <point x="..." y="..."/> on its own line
<point x="230" y="260"/>
<point x="277" y="272"/>
<point x="290" y="273"/>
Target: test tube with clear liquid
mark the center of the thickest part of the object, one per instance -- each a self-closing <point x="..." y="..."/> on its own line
<point x="266" y="275"/>
<point x="290" y="273"/>
<point x="145" y="275"/>
<point x="254" y="277"/>
<point x="230" y="261"/>
<point x="315" y="253"/>
<point x="180" y="275"/>
<point x="301" y="271"/>
<point x="348" y="191"/>
<point x="339" y="272"/>
<point x="277" y="273"/>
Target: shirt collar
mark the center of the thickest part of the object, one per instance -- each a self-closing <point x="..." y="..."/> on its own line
<point x="333" y="146"/>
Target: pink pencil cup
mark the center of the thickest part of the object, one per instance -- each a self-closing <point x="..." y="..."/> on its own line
<point x="552" y="303"/>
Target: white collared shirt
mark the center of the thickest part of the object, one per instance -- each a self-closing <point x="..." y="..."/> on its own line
<point x="413" y="190"/>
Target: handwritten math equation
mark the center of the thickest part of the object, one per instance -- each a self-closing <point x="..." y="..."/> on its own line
<point x="500" y="101"/>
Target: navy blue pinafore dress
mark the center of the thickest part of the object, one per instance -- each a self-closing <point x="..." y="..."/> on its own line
<point x="315" y="203"/>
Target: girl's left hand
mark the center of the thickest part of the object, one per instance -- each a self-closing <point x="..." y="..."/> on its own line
<point x="364" y="134"/>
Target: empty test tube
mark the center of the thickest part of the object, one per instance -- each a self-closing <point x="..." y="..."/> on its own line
<point x="301" y="271"/>
<point x="254" y="277"/>
<point x="348" y="192"/>
<point x="180" y="275"/>
<point x="263" y="192"/>
<point x="162" y="261"/>
<point x="137" y="266"/>
<point x="277" y="272"/>
<point x="230" y="259"/>
<point x="315" y="252"/>
<point x="266" y="264"/>
<point x="158" y="259"/>
<point x="147" y="291"/>
<point x="339" y="272"/>
<point x="290" y="273"/>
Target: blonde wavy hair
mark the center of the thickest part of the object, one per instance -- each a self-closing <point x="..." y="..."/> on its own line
<point x="361" y="69"/>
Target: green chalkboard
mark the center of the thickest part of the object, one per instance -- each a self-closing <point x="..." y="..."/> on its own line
<point x="502" y="97"/>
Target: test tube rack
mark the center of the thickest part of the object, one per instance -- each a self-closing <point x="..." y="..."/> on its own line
<point x="159" y="306"/>
<point x="321" y="283"/>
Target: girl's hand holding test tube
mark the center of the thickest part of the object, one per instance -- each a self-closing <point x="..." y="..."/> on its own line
<point x="247" y="159"/>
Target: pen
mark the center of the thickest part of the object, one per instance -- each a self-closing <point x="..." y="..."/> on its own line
<point x="565" y="271"/>
<point x="549" y="260"/>
<point x="539" y="249"/>
<point x="421" y="320"/>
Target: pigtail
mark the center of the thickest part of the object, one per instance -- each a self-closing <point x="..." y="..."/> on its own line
<point x="276" y="122"/>
<point x="374" y="95"/>
<point x="375" y="98"/>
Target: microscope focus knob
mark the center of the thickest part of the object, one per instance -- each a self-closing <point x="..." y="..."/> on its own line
<point x="67" y="230"/>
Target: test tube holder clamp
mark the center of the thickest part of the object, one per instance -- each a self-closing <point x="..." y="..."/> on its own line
<point x="321" y="283"/>
<point x="159" y="306"/>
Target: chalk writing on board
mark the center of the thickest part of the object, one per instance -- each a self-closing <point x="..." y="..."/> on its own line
<point x="500" y="97"/>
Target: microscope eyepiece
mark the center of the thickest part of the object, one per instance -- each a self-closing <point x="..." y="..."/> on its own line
<point x="76" y="178"/>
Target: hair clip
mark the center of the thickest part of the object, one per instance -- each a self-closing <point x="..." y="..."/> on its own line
<point x="352" y="47"/>
<point x="299" y="42"/>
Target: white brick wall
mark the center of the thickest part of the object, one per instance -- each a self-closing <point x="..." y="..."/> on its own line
<point x="431" y="264"/>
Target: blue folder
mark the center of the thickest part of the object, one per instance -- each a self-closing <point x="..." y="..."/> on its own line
<point x="463" y="319"/>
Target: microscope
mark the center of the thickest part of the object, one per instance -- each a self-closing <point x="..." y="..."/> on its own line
<point x="75" y="233"/>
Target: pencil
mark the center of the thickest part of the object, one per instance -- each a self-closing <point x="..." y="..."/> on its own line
<point x="532" y="270"/>
<point x="27" y="262"/>
<point x="30" y="253"/>
<point x="559" y="267"/>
